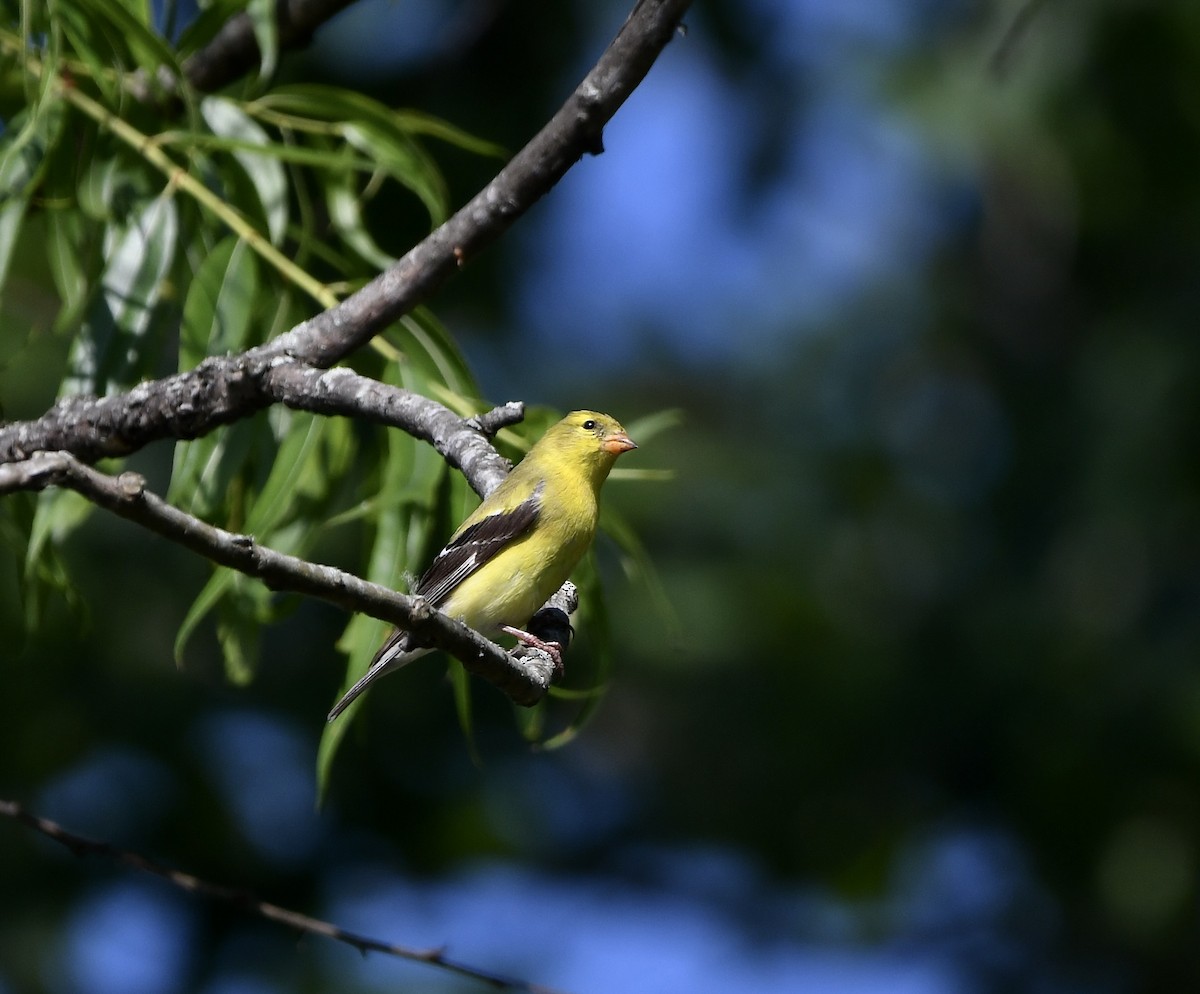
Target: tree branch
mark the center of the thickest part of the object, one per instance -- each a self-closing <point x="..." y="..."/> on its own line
<point x="525" y="680"/>
<point x="223" y="389"/>
<point x="81" y="845"/>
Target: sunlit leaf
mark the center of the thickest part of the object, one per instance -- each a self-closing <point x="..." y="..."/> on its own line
<point x="266" y="33"/>
<point x="371" y="127"/>
<point x="112" y="349"/>
<point x="228" y="120"/>
<point x="344" y="202"/>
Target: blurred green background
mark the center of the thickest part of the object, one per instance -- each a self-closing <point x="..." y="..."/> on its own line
<point x="924" y="712"/>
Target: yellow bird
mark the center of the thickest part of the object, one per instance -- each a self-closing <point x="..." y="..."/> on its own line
<point x="520" y="545"/>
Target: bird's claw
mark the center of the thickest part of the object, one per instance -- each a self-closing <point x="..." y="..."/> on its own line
<point x="552" y="649"/>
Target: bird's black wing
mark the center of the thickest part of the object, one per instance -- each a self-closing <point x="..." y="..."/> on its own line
<point x="475" y="546"/>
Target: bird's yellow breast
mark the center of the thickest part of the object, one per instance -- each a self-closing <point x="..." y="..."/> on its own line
<point x="510" y="588"/>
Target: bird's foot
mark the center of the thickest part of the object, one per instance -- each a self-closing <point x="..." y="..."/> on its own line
<point x="551" y="649"/>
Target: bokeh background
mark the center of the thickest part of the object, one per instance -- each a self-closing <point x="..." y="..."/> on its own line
<point x="915" y="705"/>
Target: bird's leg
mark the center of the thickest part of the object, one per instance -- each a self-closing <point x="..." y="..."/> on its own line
<point x="551" y="649"/>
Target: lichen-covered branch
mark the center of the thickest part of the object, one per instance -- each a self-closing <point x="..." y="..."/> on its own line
<point x="224" y="389"/>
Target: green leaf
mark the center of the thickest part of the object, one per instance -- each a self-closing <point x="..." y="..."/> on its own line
<point x="430" y="347"/>
<point x="403" y="159"/>
<point x="460" y="681"/>
<point x="113" y="347"/>
<point x="37" y="573"/>
<point x="637" y="563"/>
<point x="66" y="249"/>
<point x="31" y="137"/>
<point x="411" y="486"/>
<point x="144" y="46"/>
<point x="219" y="308"/>
<point x="205" y="469"/>
<point x="239" y="629"/>
<point x="344" y="203"/>
<point x="418" y="123"/>
<point x="103" y="182"/>
<point x="593" y="624"/>
<point x="653" y="425"/>
<point x="266" y="33"/>
<point x="59" y="512"/>
<point x="12" y="216"/>
<point x="302" y="434"/>
<point x="301" y="438"/>
<point x="301" y="155"/>
<point x="371" y="127"/>
<point x="208" y="22"/>
<point x="267" y="175"/>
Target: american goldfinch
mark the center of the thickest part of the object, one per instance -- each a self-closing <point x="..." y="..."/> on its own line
<point x="520" y="545"/>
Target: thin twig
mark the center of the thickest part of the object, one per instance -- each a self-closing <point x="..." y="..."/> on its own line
<point x="81" y="846"/>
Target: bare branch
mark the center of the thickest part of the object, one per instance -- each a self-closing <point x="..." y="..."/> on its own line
<point x="525" y="681"/>
<point x="81" y="845"/>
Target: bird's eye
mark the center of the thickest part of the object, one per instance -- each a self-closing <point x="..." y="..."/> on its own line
<point x="589" y="425"/>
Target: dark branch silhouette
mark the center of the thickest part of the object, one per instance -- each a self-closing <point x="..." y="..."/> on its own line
<point x="81" y="846"/>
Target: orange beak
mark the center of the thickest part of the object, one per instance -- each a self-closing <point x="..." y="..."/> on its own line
<point x="618" y="443"/>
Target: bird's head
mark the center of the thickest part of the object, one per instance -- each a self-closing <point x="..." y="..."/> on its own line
<point x="601" y="430"/>
<point x="593" y="434"/>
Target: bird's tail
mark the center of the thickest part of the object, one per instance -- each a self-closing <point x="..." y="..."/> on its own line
<point x="392" y="656"/>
